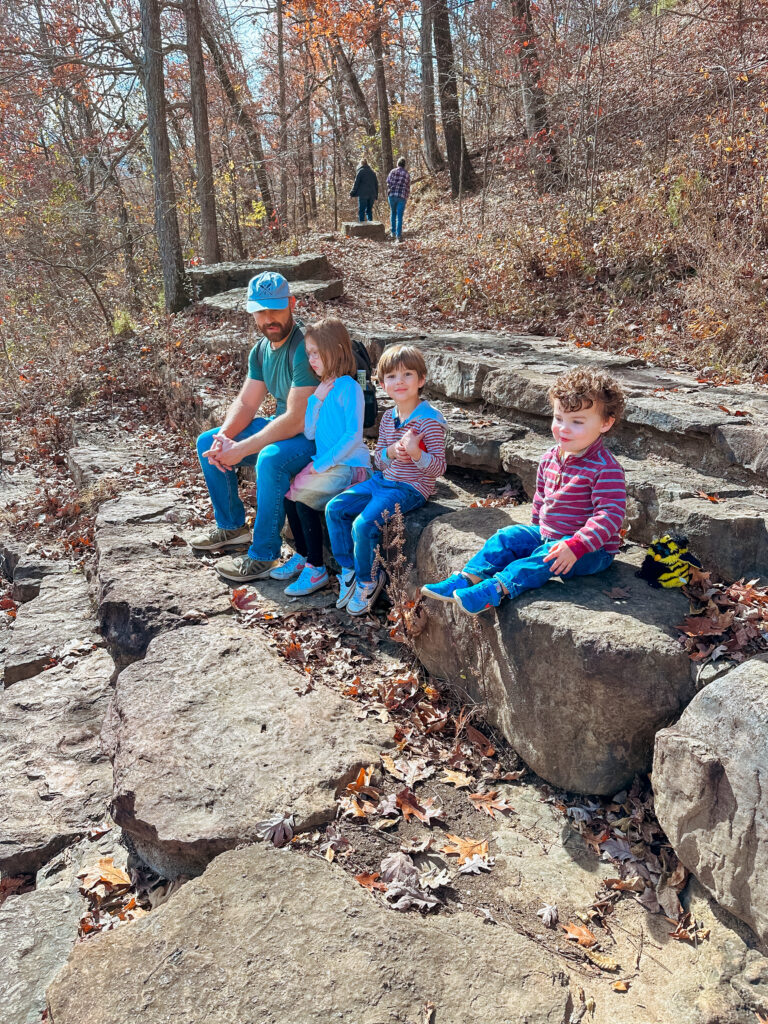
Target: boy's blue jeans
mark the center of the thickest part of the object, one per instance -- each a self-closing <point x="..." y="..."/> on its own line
<point x="397" y="208"/>
<point x="275" y="465"/>
<point x="515" y="556"/>
<point x="364" y="209"/>
<point x="355" y="518"/>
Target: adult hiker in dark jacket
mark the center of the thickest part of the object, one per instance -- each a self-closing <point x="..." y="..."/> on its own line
<point x="366" y="189"/>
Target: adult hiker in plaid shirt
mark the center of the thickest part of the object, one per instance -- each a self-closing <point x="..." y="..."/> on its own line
<point x="398" y="190"/>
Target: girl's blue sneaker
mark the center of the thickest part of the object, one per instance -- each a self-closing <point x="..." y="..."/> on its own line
<point x="480" y="596"/>
<point x="445" y="589"/>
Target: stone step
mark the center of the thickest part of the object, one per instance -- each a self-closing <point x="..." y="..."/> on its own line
<point x="669" y="414"/>
<point x="235" y="744"/>
<point x="220" y="277"/>
<point x="709" y="780"/>
<point x="60" y="622"/>
<point x="578" y="683"/>
<point x="55" y="781"/>
<point x="233" y="300"/>
<point x="372" y="229"/>
<point x="147" y="581"/>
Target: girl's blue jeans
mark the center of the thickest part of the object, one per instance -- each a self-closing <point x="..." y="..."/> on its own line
<point x="396" y="208"/>
<point x="515" y="556"/>
<point x="355" y="518"/>
<point x="275" y="465"/>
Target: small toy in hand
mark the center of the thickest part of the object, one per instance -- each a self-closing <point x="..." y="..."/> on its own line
<point x="668" y="562"/>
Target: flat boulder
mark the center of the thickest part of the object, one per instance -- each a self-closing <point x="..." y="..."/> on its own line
<point x="271" y="935"/>
<point x="148" y="579"/>
<point x="59" y="623"/>
<point x="372" y="229"/>
<point x="213" y="732"/>
<point x="578" y="676"/>
<point x="54" y="779"/>
<point x="709" y="781"/>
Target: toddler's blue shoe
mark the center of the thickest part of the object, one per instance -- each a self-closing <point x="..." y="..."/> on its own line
<point x="480" y="596"/>
<point x="445" y="589"/>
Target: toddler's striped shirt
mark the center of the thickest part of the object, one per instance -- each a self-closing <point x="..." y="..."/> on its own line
<point x="583" y="497"/>
<point x="421" y="474"/>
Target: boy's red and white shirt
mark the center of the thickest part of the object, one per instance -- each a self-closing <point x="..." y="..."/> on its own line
<point x="424" y="471"/>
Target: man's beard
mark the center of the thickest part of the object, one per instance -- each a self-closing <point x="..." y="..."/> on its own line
<point x="284" y="328"/>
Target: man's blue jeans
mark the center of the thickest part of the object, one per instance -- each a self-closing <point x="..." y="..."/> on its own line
<point x="396" y="208"/>
<point x="275" y="465"/>
<point x="364" y="209"/>
<point x="355" y="518"/>
<point x="515" y="556"/>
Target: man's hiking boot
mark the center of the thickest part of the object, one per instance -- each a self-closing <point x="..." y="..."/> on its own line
<point x="241" y="569"/>
<point x="216" y="539"/>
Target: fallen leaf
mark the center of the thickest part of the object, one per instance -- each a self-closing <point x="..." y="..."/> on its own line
<point x="370" y="881"/>
<point x="475" y="864"/>
<point x="548" y="915"/>
<point x="579" y="933"/>
<point x="714" y="498"/>
<point x="402" y="897"/>
<point x="464" y="848"/>
<point x="398" y="867"/>
<point x="105" y="873"/>
<point x="603" y="962"/>
<point x="277" y="830"/>
<point x="489" y="803"/>
<point x="458" y="779"/>
<point x="620" y="986"/>
<point x="477" y="739"/>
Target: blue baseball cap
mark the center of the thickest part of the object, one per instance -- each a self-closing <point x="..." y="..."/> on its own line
<point x="267" y="291"/>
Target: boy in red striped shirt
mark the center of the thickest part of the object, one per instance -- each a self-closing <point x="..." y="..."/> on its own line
<point x="409" y="457"/>
<point x="578" y="508"/>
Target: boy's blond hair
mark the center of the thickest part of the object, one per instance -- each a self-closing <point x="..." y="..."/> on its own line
<point x="334" y="346"/>
<point x="582" y="387"/>
<point x="408" y="356"/>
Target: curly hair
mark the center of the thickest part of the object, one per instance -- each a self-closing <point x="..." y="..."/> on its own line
<point x="582" y="387"/>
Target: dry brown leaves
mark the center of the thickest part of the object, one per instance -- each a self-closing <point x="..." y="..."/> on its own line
<point x="726" y="620"/>
<point x="108" y="890"/>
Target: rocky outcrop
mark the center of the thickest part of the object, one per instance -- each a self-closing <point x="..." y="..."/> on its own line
<point x="54" y="779"/>
<point x="233" y="300"/>
<point x="38" y="929"/>
<point x="710" y="777"/>
<point x="221" y="277"/>
<point x="371" y="229"/>
<point x="212" y="733"/>
<point x="58" y="623"/>
<point x="148" y="580"/>
<point x="579" y="683"/>
<point x="303" y="942"/>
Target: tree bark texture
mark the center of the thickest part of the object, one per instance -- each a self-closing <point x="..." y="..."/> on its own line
<point x="385" y="129"/>
<point x="356" y="92"/>
<point x="245" y="120"/>
<point x="282" y="115"/>
<point x="434" y="158"/>
<point x="166" y="222"/>
<point x="546" y="160"/>
<point x="199" y="103"/>
<point x="459" y="164"/>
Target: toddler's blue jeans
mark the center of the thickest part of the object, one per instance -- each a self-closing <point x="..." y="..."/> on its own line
<point x="515" y="556"/>
<point x="275" y="465"/>
<point x="355" y="518"/>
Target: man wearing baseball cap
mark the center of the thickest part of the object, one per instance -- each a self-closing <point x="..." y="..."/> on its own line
<point x="277" y="365"/>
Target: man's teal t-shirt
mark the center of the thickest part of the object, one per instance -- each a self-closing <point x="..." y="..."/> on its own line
<point x="276" y="371"/>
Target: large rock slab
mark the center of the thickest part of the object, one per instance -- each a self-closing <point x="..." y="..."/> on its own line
<point x="220" y="277"/>
<point x="372" y="229"/>
<point x="709" y="780"/>
<point x="578" y="683"/>
<point x="147" y="582"/>
<point x="54" y="779"/>
<point x="233" y="300"/>
<point x="38" y="929"/>
<point x="92" y="461"/>
<point x="226" y="948"/>
<point x="61" y="619"/>
<point x="209" y="736"/>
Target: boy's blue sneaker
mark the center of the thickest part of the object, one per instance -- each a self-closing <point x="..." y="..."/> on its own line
<point x="445" y="589"/>
<point x="480" y="596"/>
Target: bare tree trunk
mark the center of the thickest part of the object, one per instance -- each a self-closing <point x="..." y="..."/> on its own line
<point x="547" y="166"/>
<point x="377" y="46"/>
<point x="199" y="102"/>
<point x="282" y="114"/>
<point x="432" y="155"/>
<point x="308" y="139"/>
<point x="358" y="96"/>
<point x="459" y="164"/>
<point x="245" y="120"/>
<point x="166" y="222"/>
